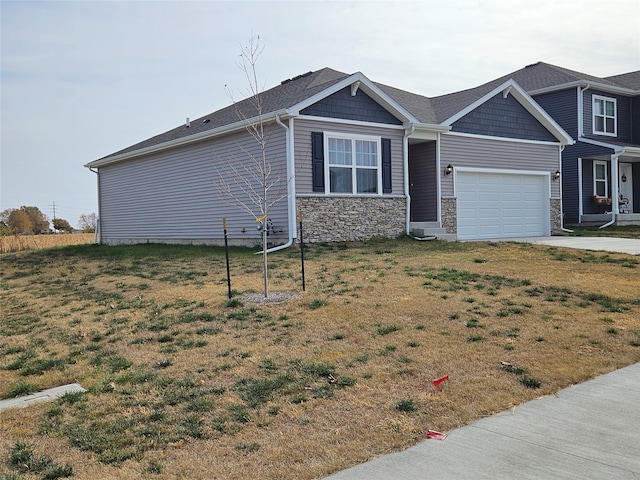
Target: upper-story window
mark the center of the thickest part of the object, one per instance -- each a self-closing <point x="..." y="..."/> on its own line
<point x="353" y="164"/>
<point x="604" y="116"/>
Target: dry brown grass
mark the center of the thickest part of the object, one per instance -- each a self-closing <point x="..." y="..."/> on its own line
<point x="391" y="316"/>
<point x="18" y="243"/>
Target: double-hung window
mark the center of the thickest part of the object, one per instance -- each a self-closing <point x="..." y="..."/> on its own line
<point x="353" y="164"/>
<point x="600" y="187"/>
<point x="604" y="116"/>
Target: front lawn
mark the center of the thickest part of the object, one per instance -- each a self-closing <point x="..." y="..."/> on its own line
<point x="185" y="383"/>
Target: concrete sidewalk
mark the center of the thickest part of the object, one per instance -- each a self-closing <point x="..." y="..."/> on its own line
<point x="607" y="244"/>
<point x="587" y="431"/>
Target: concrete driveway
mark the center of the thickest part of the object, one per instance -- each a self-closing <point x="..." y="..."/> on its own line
<point x="607" y="244"/>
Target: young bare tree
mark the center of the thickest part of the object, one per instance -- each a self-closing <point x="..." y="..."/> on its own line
<point x="256" y="182"/>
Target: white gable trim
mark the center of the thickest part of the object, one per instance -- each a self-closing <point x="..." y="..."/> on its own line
<point x="350" y="122"/>
<point x="501" y="139"/>
<point x="512" y="88"/>
<point x="368" y="87"/>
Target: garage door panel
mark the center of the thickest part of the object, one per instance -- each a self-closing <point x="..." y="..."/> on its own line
<point x="494" y="205"/>
<point x="511" y="197"/>
<point x="488" y="196"/>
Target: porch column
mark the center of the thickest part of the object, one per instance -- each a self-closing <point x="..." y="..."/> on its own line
<point x="615" y="196"/>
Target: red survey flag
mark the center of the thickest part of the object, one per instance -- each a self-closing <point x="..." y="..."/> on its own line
<point x="438" y="381"/>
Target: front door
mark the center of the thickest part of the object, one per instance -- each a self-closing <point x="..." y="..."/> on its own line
<point x="626" y="187"/>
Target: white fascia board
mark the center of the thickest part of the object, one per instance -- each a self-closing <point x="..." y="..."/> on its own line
<point x="345" y="121"/>
<point x="223" y="130"/>
<point x="501" y="139"/>
<point x="430" y="127"/>
<point x="618" y="149"/>
<point x="583" y="83"/>
<point x="426" y="131"/>
<point x="526" y="101"/>
<point x="366" y="86"/>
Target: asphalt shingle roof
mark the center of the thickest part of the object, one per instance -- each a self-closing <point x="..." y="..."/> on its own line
<point x="628" y="80"/>
<point x="434" y="110"/>
<point x="288" y="93"/>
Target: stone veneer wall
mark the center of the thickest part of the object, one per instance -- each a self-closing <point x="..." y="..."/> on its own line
<point x="450" y="215"/>
<point x="556" y="216"/>
<point x="349" y="219"/>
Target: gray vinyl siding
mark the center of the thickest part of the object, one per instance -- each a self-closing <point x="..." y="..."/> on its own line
<point x="472" y="152"/>
<point x="503" y="117"/>
<point x="623" y="116"/>
<point x="172" y="197"/>
<point x="360" y="107"/>
<point x="303" y="128"/>
<point x="423" y="182"/>
<point x="562" y="106"/>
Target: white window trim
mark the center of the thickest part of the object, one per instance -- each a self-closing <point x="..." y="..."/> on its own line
<point x="596" y="180"/>
<point x="354" y="167"/>
<point x="615" y="116"/>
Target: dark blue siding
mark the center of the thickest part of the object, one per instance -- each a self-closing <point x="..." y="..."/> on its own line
<point x="503" y="117"/>
<point x="562" y="107"/>
<point x="623" y="105"/>
<point x="570" y="190"/>
<point x="635" y="121"/>
<point x="635" y="168"/>
<point x="342" y="105"/>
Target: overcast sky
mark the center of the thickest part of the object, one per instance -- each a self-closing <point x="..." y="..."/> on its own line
<point x="83" y="79"/>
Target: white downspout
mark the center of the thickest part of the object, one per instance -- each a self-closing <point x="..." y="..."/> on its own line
<point x="405" y="148"/>
<point x="581" y="110"/>
<point x="580" y="193"/>
<point x="614" y="189"/>
<point x="291" y="187"/>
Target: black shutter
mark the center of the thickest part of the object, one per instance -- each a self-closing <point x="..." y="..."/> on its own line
<point x="317" y="161"/>
<point x="386" y="165"/>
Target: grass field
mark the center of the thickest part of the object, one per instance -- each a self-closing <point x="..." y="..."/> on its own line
<point x="18" y="243"/>
<point x="185" y="383"/>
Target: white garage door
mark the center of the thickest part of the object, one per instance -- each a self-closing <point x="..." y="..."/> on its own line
<point x="502" y="205"/>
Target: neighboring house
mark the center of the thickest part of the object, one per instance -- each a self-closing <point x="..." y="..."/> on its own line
<point x="601" y="171"/>
<point x="358" y="160"/>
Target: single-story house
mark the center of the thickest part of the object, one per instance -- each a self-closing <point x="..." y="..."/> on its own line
<point x="353" y="158"/>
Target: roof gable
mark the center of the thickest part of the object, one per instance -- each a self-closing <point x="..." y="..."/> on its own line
<point x="510" y="87"/>
<point x="535" y="78"/>
<point x="503" y="116"/>
<point x="351" y="104"/>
